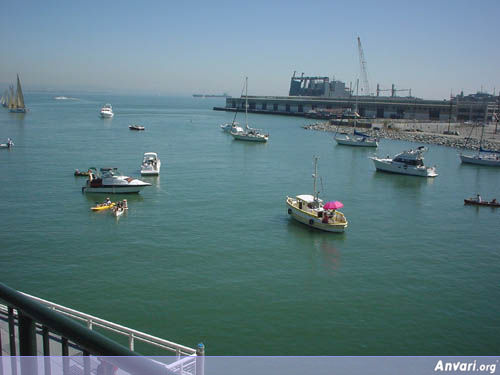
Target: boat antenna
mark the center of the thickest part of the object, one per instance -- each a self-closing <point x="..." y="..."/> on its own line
<point x="321" y="181"/>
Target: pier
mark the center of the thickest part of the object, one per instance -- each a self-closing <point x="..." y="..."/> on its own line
<point x="466" y="109"/>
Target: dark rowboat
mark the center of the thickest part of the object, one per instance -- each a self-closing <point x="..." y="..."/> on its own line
<point x="136" y="127"/>
<point x="475" y="202"/>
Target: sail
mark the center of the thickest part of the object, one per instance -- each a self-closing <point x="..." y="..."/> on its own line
<point x="4" y="99"/>
<point x="19" y="95"/>
<point x="11" y="103"/>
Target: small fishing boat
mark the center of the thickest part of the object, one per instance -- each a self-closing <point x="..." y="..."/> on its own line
<point x="136" y="127"/>
<point x="81" y="173"/>
<point x="9" y="144"/>
<point x="477" y="201"/>
<point x="310" y="210"/>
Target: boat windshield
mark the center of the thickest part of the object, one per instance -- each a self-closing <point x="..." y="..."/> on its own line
<point x="110" y="172"/>
<point x="415" y="162"/>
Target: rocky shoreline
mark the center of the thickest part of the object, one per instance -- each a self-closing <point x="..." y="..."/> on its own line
<point x="413" y="135"/>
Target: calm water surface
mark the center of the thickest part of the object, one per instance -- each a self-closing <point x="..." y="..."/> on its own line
<point x="209" y="254"/>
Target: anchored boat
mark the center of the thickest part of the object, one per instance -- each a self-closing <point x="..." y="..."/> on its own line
<point x="248" y="134"/>
<point x="150" y="164"/>
<point x="409" y="162"/>
<point x="107" y="111"/>
<point x="110" y="180"/>
<point x="310" y="210"/>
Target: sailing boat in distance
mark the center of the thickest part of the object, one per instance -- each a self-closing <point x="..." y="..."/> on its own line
<point x="16" y="102"/>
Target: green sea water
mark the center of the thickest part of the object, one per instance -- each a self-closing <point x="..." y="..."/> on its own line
<point x="208" y="253"/>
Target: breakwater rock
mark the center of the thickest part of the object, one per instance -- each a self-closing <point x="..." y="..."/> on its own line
<point x="455" y="141"/>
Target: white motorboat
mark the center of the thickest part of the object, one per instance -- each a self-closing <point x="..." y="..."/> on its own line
<point x="310" y="210"/>
<point x="248" y="134"/>
<point x="150" y="164"/>
<point x="109" y="180"/>
<point x="410" y="162"/>
<point x="9" y="144"/>
<point x="482" y="157"/>
<point x="107" y="111"/>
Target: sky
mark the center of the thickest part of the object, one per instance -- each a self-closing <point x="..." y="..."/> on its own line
<point x="185" y="47"/>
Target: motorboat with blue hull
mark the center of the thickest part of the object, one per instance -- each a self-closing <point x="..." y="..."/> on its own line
<point x="110" y="180"/>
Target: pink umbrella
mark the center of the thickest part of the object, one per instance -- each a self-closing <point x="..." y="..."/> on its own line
<point x="335" y="205"/>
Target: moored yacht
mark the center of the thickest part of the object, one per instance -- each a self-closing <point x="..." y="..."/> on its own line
<point x="310" y="210"/>
<point x="409" y="162"/>
<point x="356" y="140"/>
<point x="248" y="134"/>
<point x="107" y="111"/>
<point x="109" y="180"/>
<point x="150" y="164"/>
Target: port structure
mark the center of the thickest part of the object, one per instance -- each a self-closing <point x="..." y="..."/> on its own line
<point x="393" y="91"/>
<point x="364" y="74"/>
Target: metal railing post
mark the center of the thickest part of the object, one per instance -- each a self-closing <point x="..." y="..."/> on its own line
<point x="131" y="341"/>
<point x="46" y="350"/>
<point x="200" y="359"/>
<point x="27" y="344"/>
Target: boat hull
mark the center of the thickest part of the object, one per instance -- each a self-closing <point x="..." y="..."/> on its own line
<point x="102" y="208"/>
<point x="480" y="161"/>
<point x="127" y="189"/>
<point x="476" y="203"/>
<point x="387" y="165"/>
<point x="311" y="221"/>
<point x="356" y="142"/>
<point x="107" y="115"/>
<point x="242" y="137"/>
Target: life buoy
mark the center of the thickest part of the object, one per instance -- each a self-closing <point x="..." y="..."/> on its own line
<point x="289" y="211"/>
<point x="311" y="222"/>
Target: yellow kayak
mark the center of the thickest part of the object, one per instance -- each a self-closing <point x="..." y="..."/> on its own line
<point x="102" y="207"/>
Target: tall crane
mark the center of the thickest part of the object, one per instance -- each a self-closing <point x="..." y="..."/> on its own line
<point x="364" y="74"/>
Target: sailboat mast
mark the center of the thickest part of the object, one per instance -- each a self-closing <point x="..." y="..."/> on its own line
<point x="481" y="141"/>
<point x="246" y="102"/>
<point x="315" y="176"/>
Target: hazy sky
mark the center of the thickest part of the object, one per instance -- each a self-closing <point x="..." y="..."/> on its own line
<point x="185" y="47"/>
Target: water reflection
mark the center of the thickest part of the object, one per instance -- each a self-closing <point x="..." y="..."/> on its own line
<point x="402" y="181"/>
<point x="322" y="246"/>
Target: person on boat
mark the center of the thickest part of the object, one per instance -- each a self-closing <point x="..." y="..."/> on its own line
<point x="107" y="202"/>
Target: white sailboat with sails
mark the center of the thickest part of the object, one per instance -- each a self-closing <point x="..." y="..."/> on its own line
<point x="16" y="101"/>
<point x="248" y="134"/>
